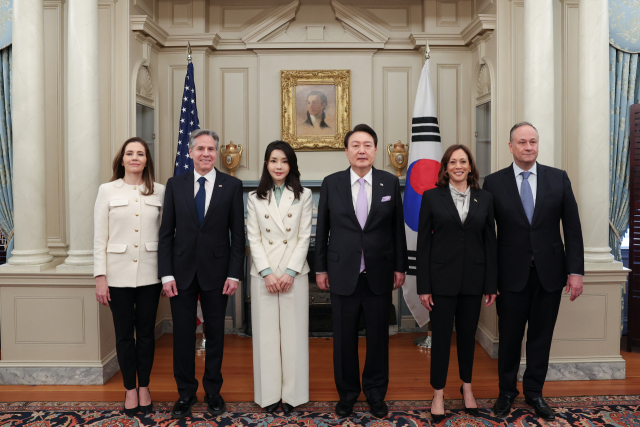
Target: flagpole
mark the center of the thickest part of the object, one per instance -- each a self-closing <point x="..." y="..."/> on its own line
<point x="189" y="52"/>
<point x="424" y="342"/>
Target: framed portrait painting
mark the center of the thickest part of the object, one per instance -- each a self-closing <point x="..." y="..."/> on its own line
<point x="316" y="108"/>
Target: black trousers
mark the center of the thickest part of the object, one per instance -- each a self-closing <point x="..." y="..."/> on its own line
<point x="346" y="317"/>
<point x="135" y="309"/>
<point x="465" y="309"/>
<point x="183" y="310"/>
<point x="540" y="309"/>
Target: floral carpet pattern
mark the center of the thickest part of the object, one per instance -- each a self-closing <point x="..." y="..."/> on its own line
<point x="589" y="411"/>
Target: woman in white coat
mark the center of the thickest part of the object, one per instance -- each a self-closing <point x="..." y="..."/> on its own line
<point x="127" y="218"/>
<point x="279" y="229"/>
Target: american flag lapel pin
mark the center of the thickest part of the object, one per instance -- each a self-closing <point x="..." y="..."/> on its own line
<point x="475" y="200"/>
<point x="381" y="185"/>
<point x="220" y="185"/>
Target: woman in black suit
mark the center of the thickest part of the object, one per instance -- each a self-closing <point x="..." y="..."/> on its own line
<point x="457" y="263"/>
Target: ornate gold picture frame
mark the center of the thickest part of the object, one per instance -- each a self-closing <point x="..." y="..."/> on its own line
<point x="316" y="108"/>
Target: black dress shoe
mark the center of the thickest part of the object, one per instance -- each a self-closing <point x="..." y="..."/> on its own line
<point x="273" y="407"/>
<point x="344" y="408"/>
<point x="378" y="408"/>
<point x="543" y="410"/>
<point x="215" y="404"/>
<point x="286" y="408"/>
<point x="471" y="411"/>
<point x="182" y="408"/>
<point x="502" y="407"/>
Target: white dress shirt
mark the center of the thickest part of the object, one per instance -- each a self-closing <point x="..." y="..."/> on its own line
<point x="355" y="188"/>
<point x="316" y="120"/>
<point x="533" y="179"/>
<point x="208" y="189"/>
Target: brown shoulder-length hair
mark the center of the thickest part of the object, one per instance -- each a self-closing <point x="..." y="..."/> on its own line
<point x="147" y="174"/>
<point x="443" y="176"/>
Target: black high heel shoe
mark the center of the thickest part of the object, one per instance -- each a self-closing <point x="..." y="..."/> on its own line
<point x="437" y="418"/>
<point x="129" y="412"/>
<point x="471" y="411"/>
<point x="146" y="409"/>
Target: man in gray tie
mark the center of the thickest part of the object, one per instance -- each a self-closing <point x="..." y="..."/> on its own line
<point x="530" y="201"/>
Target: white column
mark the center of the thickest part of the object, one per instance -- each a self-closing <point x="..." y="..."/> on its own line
<point x="593" y="129"/>
<point x="83" y="142"/>
<point x="29" y="180"/>
<point x="539" y="74"/>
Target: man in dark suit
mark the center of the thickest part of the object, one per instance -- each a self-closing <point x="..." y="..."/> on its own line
<point x="200" y="252"/>
<point x="361" y="263"/>
<point x="530" y="200"/>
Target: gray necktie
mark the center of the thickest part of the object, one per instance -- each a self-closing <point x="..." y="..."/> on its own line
<point x="526" y="195"/>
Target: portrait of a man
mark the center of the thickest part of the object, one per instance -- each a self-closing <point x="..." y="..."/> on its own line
<point x="315" y="109"/>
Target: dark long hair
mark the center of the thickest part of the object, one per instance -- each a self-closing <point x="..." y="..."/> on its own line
<point x="148" y="174"/>
<point x="292" y="181"/>
<point x="443" y="176"/>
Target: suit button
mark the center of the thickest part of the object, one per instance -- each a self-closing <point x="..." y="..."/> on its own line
<point x="136" y="200"/>
<point x="136" y="230"/>
<point x="266" y="216"/>
<point x="285" y="242"/>
<point x="289" y="215"/>
<point x="135" y="260"/>
<point x="268" y="230"/>
<point x="288" y="229"/>
<point x="135" y="187"/>
<point x="135" y="245"/>
<point x="271" y="242"/>
<point x="137" y="214"/>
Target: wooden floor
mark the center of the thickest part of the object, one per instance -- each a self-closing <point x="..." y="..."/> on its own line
<point x="409" y="376"/>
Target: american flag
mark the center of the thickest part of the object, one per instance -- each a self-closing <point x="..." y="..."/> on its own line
<point x="188" y="123"/>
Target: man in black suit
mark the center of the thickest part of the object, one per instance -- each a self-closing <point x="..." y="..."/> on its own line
<point x="530" y="200"/>
<point x="361" y="209"/>
<point x="200" y="252"/>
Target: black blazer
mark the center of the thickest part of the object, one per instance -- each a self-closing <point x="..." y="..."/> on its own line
<point x="383" y="237"/>
<point x="518" y="241"/>
<point x="186" y="248"/>
<point x="455" y="258"/>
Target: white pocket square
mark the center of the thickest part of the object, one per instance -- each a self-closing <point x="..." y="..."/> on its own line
<point x="386" y="198"/>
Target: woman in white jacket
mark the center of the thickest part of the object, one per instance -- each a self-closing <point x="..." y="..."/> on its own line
<point x="279" y="229"/>
<point x="127" y="218"/>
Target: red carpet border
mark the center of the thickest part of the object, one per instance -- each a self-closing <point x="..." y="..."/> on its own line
<point x="589" y="411"/>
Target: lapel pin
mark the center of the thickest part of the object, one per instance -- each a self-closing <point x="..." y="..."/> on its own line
<point x="381" y="185"/>
<point x="475" y="200"/>
<point x="220" y="185"/>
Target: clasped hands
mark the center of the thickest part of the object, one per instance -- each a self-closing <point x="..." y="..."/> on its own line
<point x="322" y="279"/>
<point x="275" y="285"/>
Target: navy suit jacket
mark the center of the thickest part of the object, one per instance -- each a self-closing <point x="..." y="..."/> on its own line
<point x="213" y="250"/>
<point x="519" y="241"/>
<point x="383" y="237"/>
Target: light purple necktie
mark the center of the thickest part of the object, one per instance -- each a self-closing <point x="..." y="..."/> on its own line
<point x="362" y="208"/>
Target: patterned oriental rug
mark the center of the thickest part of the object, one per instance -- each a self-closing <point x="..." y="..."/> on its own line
<point x="590" y="411"/>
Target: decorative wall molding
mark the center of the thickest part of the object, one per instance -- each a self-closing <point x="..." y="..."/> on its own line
<point x="271" y="22"/>
<point x="482" y="24"/>
<point x="483" y="86"/>
<point x="441" y="10"/>
<point x="147" y="26"/>
<point x="357" y="20"/>
<point x="144" y="87"/>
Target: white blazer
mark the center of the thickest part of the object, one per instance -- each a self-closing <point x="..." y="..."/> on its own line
<point x="125" y="239"/>
<point x="279" y="235"/>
